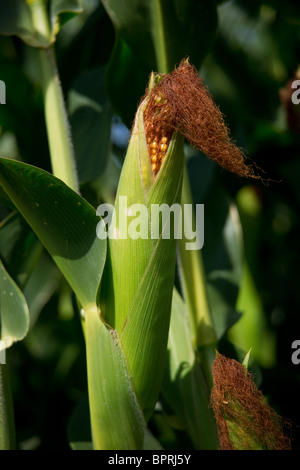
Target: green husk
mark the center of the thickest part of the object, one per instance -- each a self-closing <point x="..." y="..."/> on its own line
<point x="136" y="292"/>
<point x="117" y="421"/>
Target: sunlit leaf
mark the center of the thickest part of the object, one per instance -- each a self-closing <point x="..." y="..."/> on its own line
<point x="64" y="222"/>
<point x="62" y="11"/>
<point x="14" y="314"/>
<point x="184" y="387"/>
<point x="15" y="19"/>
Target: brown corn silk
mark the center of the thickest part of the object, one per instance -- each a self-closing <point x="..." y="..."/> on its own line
<point x="180" y="102"/>
<point x="244" y="419"/>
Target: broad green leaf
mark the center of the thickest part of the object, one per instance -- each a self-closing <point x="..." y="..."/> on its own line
<point x="64" y="222"/>
<point x="16" y="19"/>
<point x="154" y="36"/>
<point x="14" y="314"/>
<point x="116" y="418"/>
<point x="184" y="387"/>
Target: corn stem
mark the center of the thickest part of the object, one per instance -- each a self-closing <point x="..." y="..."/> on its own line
<point x="7" y="424"/>
<point x="58" y="129"/>
<point x="159" y="38"/>
<point x="194" y="284"/>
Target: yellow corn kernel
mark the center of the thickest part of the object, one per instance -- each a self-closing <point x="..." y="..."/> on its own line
<point x="153" y="145"/>
<point x="163" y="147"/>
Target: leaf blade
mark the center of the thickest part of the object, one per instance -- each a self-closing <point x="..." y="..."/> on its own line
<point x="184" y="387"/>
<point x="14" y="313"/>
<point x="64" y="222"/>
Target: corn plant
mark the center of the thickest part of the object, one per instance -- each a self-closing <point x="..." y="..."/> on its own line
<point x="150" y="320"/>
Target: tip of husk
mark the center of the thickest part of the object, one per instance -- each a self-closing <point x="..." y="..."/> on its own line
<point x="244" y="419"/>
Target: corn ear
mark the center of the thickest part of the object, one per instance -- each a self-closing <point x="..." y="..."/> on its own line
<point x="136" y="291"/>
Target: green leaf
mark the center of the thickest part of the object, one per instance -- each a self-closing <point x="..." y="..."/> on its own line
<point x="150" y="442"/>
<point x="252" y="331"/>
<point x="246" y="359"/>
<point x="14" y="314"/>
<point x="116" y="418"/>
<point x="63" y="10"/>
<point x="64" y="222"/>
<point x="184" y="387"/>
<point x="16" y="19"/>
<point x="27" y="263"/>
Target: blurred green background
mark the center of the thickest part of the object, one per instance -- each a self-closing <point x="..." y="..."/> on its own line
<point x="252" y="56"/>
